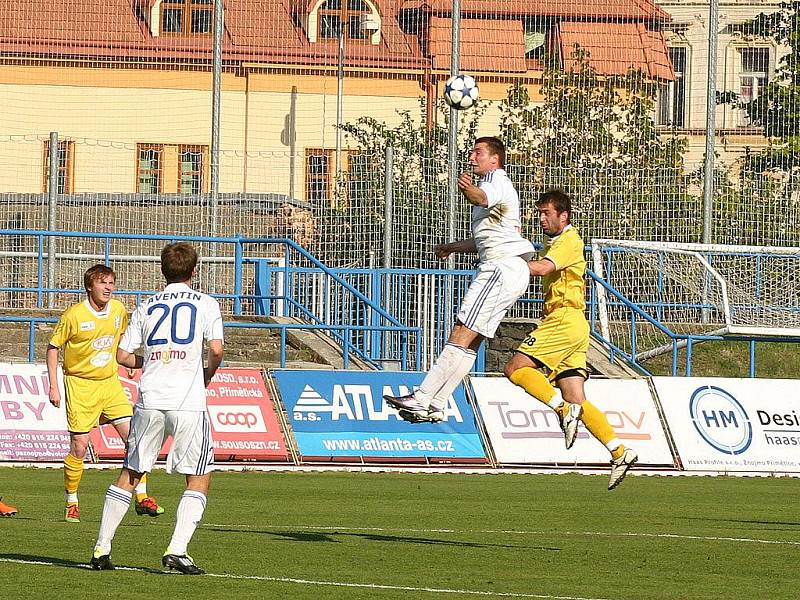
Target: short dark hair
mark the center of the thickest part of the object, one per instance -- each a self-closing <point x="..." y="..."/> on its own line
<point x="496" y="146"/>
<point x="96" y="272"/>
<point x="178" y="261"/>
<point x="558" y="199"/>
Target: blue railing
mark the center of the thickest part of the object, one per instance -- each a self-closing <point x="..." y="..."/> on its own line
<point x="234" y="257"/>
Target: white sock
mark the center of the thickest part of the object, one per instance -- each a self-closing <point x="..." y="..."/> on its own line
<point x="556" y="400"/>
<point x="141" y="487"/>
<point x="71" y="497"/>
<point x="187" y="517"/>
<point x="114" y="508"/>
<point x="466" y="358"/>
<point x="440" y="372"/>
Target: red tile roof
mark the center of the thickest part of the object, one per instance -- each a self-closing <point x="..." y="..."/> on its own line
<point x="271" y="31"/>
<point x="485" y="45"/>
<point x="613" y="48"/>
<point x="595" y="9"/>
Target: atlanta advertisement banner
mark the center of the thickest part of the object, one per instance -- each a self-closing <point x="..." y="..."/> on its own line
<point x="522" y="430"/>
<point x="721" y="424"/>
<point x="342" y="414"/>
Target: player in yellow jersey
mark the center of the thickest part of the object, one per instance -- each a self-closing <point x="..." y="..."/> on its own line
<point x="560" y="343"/>
<point x="89" y="333"/>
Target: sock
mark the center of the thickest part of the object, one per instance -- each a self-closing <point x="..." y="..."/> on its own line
<point x="537" y="385"/>
<point x="457" y="374"/>
<point x="597" y="424"/>
<point x="440" y="373"/>
<point x="141" y="488"/>
<point x="114" y="508"/>
<point x="187" y="518"/>
<point x="73" y="471"/>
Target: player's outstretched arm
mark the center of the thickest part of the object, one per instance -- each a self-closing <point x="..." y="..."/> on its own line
<point x="213" y="359"/>
<point x="51" y="358"/>
<point x="540" y="268"/>
<point x="442" y="251"/>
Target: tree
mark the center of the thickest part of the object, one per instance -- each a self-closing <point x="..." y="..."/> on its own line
<point x="595" y="137"/>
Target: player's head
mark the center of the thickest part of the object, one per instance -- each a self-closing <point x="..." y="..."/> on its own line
<point x="99" y="282"/>
<point x="488" y="153"/>
<point x="555" y="209"/>
<point x="178" y="261"/>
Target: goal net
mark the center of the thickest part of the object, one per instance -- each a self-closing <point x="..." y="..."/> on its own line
<point x="695" y="290"/>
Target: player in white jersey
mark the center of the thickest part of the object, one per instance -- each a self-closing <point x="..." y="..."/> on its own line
<point x="172" y="327"/>
<point x="501" y="279"/>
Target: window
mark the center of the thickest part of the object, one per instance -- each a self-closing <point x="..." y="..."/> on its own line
<point x="319" y="171"/>
<point x="149" y="169"/>
<point x="672" y="95"/>
<point x="65" y="152"/>
<point x="171" y="169"/>
<point x="187" y="16"/>
<point x="191" y="169"/>
<point x="333" y="14"/>
<point x="754" y="72"/>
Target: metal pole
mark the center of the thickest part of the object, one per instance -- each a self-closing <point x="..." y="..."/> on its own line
<point x="216" y="93"/>
<point x="339" y="101"/>
<point x="388" y="205"/>
<point x="452" y="137"/>
<point x="52" y="208"/>
<point x="292" y="126"/>
<point x="711" y="106"/>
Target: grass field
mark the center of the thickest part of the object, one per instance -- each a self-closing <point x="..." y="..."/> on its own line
<point x="391" y="535"/>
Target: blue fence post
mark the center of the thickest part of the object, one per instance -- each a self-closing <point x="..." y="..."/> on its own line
<point x="376" y="296"/>
<point x="107" y="251"/>
<point x="39" y="273"/>
<point x="689" y="356"/>
<point x="752" y="358"/>
<point x="31" y="340"/>
<point x="237" y="274"/>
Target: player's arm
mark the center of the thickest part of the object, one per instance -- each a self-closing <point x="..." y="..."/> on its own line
<point x="51" y="358"/>
<point x="213" y="359"/>
<point x="540" y="268"/>
<point x="472" y="192"/>
<point x="129" y="359"/>
<point x="442" y="251"/>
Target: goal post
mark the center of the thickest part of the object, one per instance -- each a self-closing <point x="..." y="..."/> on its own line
<point x="698" y="289"/>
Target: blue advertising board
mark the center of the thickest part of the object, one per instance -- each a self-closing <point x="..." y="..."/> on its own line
<point x="342" y="413"/>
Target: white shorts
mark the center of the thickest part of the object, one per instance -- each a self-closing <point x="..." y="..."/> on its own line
<point x="497" y="285"/>
<point x="192" y="451"/>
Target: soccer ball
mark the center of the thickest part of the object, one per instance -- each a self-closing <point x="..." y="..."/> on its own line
<point x="461" y="92"/>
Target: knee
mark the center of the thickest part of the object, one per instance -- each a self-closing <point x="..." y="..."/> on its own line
<point x="509" y="369"/>
<point x="78" y="448"/>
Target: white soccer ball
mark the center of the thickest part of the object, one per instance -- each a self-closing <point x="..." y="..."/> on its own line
<point x="461" y="91"/>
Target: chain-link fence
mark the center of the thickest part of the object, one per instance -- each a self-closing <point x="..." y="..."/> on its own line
<point x="604" y="99"/>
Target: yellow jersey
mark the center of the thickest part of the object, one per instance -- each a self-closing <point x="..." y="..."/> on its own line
<point x="90" y="339"/>
<point x="566" y="286"/>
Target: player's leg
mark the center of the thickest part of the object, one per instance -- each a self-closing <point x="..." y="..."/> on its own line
<point x="480" y="319"/>
<point x="192" y="453"/>
<point x="117" y="411"/>
<point x="83" y="411"/>
<point x="146" y="436"/>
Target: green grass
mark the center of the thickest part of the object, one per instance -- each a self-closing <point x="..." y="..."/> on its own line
<point x="775" y="360"/>
<point x="544" y="536"/>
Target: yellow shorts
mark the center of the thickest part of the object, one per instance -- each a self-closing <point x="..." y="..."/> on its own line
<point x="560" y="343"/>
<point x="91" y="402"/>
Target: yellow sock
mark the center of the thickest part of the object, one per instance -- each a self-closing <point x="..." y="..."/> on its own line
<point x="537" y="385"/>
<point x="73" y="471"/>
<point x="597" y="424"/>
<point x="141" y="488"/>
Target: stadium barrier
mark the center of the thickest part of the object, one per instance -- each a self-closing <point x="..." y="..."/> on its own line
<point x="301" y="417"/>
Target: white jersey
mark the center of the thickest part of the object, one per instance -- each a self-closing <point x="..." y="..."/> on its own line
<point x="496" y="228"/>
<point x="171" y="326"/>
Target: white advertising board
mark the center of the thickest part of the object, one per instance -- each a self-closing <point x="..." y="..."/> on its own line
<point x="724" y="425"/>
<point x="522" y="430"/>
